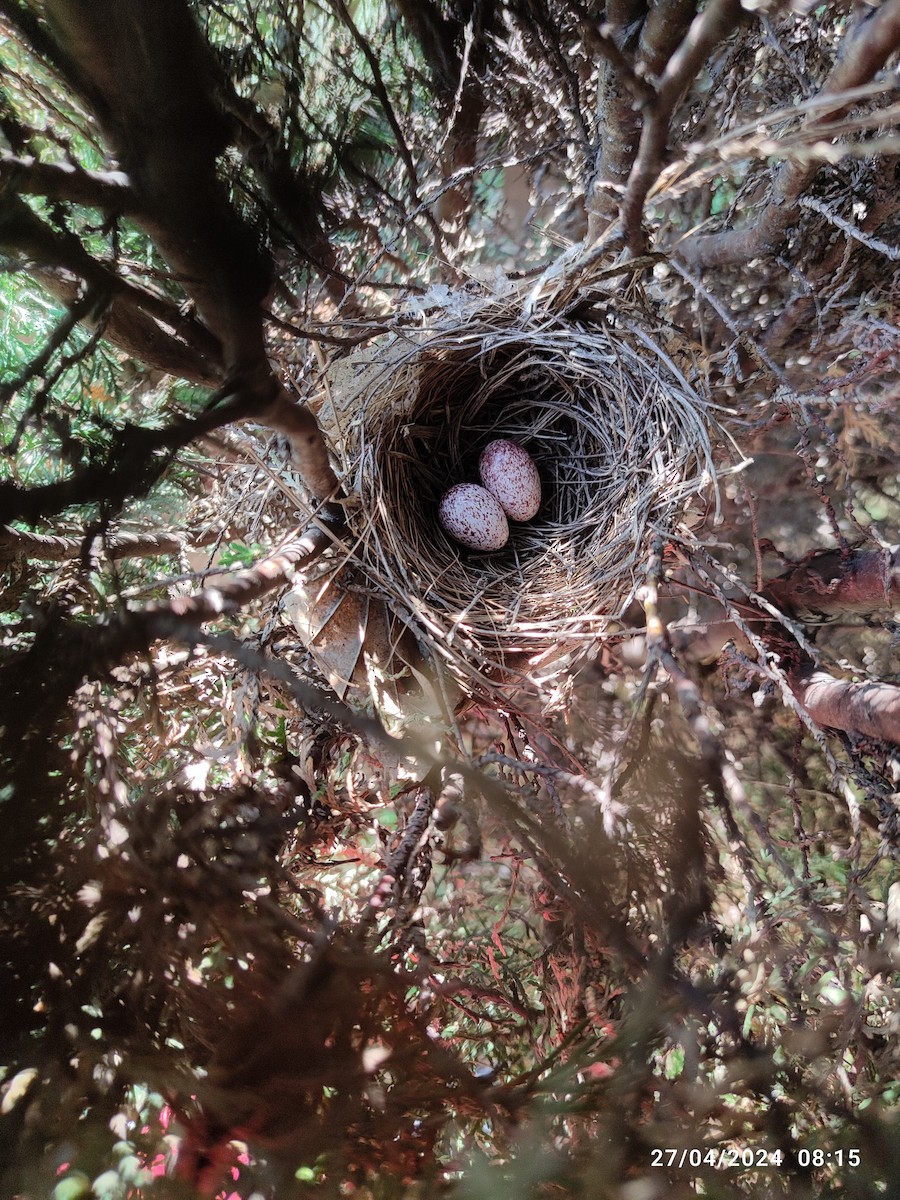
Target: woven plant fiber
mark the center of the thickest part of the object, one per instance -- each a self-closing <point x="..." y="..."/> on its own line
<point x="621" y="429"/>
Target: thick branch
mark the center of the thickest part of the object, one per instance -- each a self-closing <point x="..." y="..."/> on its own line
<point x="869" y="709"/>
<point x="665" y="26"/>
<point x="829" y="585"/>
<point x="150" y="78"/>
<point x="864" y="52"/>
<point x="136" y="459"/>
<point x="24" y="235"/>
<point x="622" y="94"/>
<point x="52" y="548"/>
<point x="139" y="335"/>
<point x="106" y="190"/>
<point x="153" y="83"/>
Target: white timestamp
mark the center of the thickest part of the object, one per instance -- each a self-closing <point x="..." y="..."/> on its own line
<point x="733" y="1158"/>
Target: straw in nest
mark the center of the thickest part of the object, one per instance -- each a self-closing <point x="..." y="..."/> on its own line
<point x="618" y="425"/>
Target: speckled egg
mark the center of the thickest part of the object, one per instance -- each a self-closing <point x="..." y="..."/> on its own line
<point x="508" y="472"/>
<point x="473" y="517"/>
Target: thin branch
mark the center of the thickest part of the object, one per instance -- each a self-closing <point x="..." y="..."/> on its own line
<point x="849" y="229"/>
<point x="242" y="587"/>
<point x="711" y="27"/>
<point x="384" y="99"/>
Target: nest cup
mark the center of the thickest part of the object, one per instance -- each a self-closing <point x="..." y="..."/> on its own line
<point x="619" y="429"/>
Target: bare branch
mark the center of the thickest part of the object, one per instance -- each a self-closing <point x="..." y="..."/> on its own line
<point x="52" y="548"/>
<point x="308" y="449"/>
<point x="664" y="28"/>
<point x="139" y="335"/>
<point x="832" y="584"/>
<point x="707" y="30"/>
<point x="243" y="587"/>
<point x="622" y="94"/>
<point x="151" y="80"/>
<point x="106" y="190"/>
<point x="384" y="99"/>
<point x="24" y="235"/>
<point x="867" y="709"/>
<point x="135" y="460"/>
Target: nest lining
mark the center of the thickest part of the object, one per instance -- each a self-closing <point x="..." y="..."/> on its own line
<point x="621" y="440"/>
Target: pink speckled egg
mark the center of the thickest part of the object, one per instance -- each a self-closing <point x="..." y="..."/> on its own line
<point x="472" y="517"/>
<point x="508" y="472"/>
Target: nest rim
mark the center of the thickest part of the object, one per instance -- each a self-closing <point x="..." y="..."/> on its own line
<point x="636" y="425"/>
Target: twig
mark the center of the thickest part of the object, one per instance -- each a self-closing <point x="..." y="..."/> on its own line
<point x="851" y="230"/>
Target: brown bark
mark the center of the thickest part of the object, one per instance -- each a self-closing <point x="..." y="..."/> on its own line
<point x="25" y="236"/>
<point x="242" y="587"/>
<point x="153" y="84"/>
<point x="828" y="585"/>
<point x="622" y="95"/>
<point x="141" y="336"/>
<point x="867" y="709"/>
<point x="106" y="190"/>
<point x="707" y="30"/>
<point x="832" y="583"/>
<point x="16" y="543"/>
<point x="151" y="80"/>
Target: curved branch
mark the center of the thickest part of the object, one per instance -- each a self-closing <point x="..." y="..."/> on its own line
<point x="864" y="52"/>
<point x="242" y="587"/>
<point x="152" y="80"/>
<point x="707" y="30"/>
<point x="154" y="84"/>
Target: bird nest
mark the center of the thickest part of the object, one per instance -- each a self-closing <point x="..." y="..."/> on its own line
<point x="616" y="419"/>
